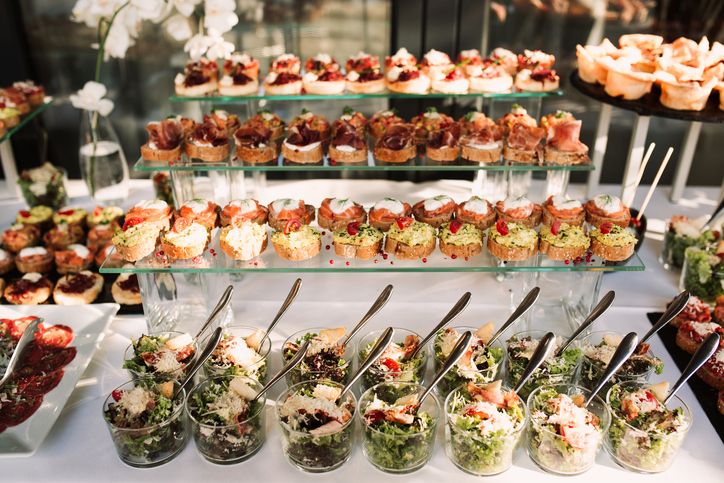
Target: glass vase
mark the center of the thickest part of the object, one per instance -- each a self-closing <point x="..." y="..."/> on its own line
<point x="102" y="162"/>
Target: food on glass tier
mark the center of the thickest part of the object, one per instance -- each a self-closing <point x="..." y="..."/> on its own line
<point x="407" y="80"/>
<point x="535" y="72"/>
<point x="241" y="210"/>
<point x="452" y="81"/>
<point x="34" y="259"/>
<point x="303" y="145"/>
<point x="436" y="64"/>
<point x="242" y="351"/>
<point x="442" y="145"/>
<point x="351" y="118"/>
<point x="254" y="145"/>
<point x="198" y="79"/>
<point x="7" y="262"/>
<point x="228" y="123"/>
<point x="696" y="310"/>
<point x="297" y="241"/>
<point x="408" y="239"/>
<point x="612" y="243"/>
<point x="364" y="75"/>
<point x="519" y="210"/>
<point x="125" y="289"/>
<point x="560" y="208"/>
<point x="394" y="364"/>
<point x="34" y="93"/>
<point x="32" y="289"/>
<point x="401" y="58"/>
<point x="563" y="146"/>
<point x="326" y="357"/>
<point x="315" y="122"/>
<point x="598" y="349"/>
<point x="201" y="211"/>
<point x="523" y="136"/>
<point x="164" y="140"/>
<point x="78" y="288"/>
<point x="561" y="241"/>
<point x="60" y="236"/>
<point x="382" y="120"/>
<point x="154" y="212"/>
<point x="336" y="213"/>
<point x="607" y="208"/>
<point x="317" y="428"/>
<point x="286" y="63"/>
<point x="435" y="210"/>
<point x="267" y="120"/>
<point x="9" y="114"/>
<point x="186" y="239"/>
<point x="691" y="334"/>
<point x="479" y="363"/>
<point x="489" y="75"/>
<point x="99" y="235"/>
<point x="105" y="215"/>
<point x="322" y="75"/>
<point x="348" y="145"/>
<point x="108" y="256"/>
<point x="208" y="142"/>
<point x="40" y="216"/>
<point x="482" y="139"/>
<point x="396" y="145"/>
<point x="399" y="430"/>
<point x="284" y="210"/>
<point x="241" y="75"/>
<point x="243" y="240"/>
<point x="136" y="239"/>
<point x="227" y="420"/>
<point x="73" y="259"/>
<point x="460" y="240"/>
<point x="20" y="236"/>
<point x="282" y="84"/>
<point x="15" y="98"/>
<point x="645" y="434"/>
<point x="429" y="121"/>
<point x="485" y="422"/>
<point x="70" y="216"/>
<point x="44" y="185"/>
<point x="163" y="356"/>
<point x="476" y="211"/>
<point x="511" y="241"/>
<point x="681" y="233"/>
<point x="384" y="213"/>
<point x="357" y="240"/>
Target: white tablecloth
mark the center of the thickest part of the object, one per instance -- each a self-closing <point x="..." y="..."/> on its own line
<point x="79" y="448"/>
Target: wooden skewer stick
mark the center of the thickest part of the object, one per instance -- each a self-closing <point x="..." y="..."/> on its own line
<point x="656" y="182"/>
<point x="640" y="174"/>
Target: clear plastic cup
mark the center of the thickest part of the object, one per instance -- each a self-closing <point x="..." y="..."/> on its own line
<point x="412" y="371"/>
<point x="399" y="451"/>
<point x="175" y="375"/>
<point x="260" y="370"/>
<point x="227" y="443"/>
<point x="337" y="373"/>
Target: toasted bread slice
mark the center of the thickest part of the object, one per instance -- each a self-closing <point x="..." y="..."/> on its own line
<point x="407" y="252"/>
<point x="355" y="251"/>
<point x="260" y="218"/>
<point x="520" y="156"/>
<point x="87" y="296"/>
<point x="685" y="342"/>
<point x="357" y="156"/>
<point x="181" y="253"/>
<point x="210" y="154"/>
<point x="124" y="296"/>
<point x="554" y="156"/>
<point x="444" y="154"/>
<point x="150" y="154"/>
<point x="510" y="254"/>
<point x="714" y="380"/>
<point x="298" y="254"/>
<point x="393" y="156"/>
<point x="612" y="254"/>
<point x="531" y="222"/>
<point x="561" y="253"/>
<point x="256" y="155"/>
<point x="336" y="225"/>
<point x="476" y="155"/>
<point x="461" y="251"/>
<point x="368" y="87"/>
<point x="311" y="156"/>
<point x="419" y="213"/>
<point x="306" y="220"/>
<point x="245" y="252"/>
<point x="197" y="90"/>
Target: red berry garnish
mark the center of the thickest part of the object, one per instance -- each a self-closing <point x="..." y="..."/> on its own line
<point x="292" y="225"/>
<point x="97" y="211"/>
<point x="331" y="262"/>
<point x="453" y="256"/>
<point x="25" y="213"/>
<point x="455" y="226"/>
<point x="346" y="263"/>
<point x="555" y="227"/>
<point x="403" y="222"/>
<point x="66" y="212"/>
<point x="353" y="228"/>
<point x="605" y="227"/>
<point x="326" y="247"/>
<point x="502" y="227"/>
<point x="131" y="222"/>
<point x="117" y="394"/>
<point x="567" y="262"/>
<point x="424" y="260"/>
<point x="636" y="222"/>
<point x="384" y="256"/>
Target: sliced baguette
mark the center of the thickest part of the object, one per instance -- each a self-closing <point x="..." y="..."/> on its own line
<point x="476" y="155"/>
<point x="244" y="252"/>
<point x="298" y="254"/>
<point x="404" y="251"/>
<point x="596" y="219"/>
<point x="336" y="225"/>
<point x="197" y="90"/>
<point x="311" y="156"/>
<point x="279" y="224"/>
<point x="394" y="156"/>
<point x="444" y="154"/>
<point x="481" y="224"/>
<point x="418" y="212"/>
<point x="256" y="155"/>
<point x="510" y="254"/>
<point x="367" y="87"/>
<point x="564" y="158"/>
<point x="86" y="297"/>
<point x="612" y="254"/>
<point x="685" y="342"/>
<point x="151" y="154"/>
<point x="211" y="154"/>
<point x="357" y="156"/>
<point x="355" y="251"/>
<point x="520" y="156"/>
<point x="461" y="251"/>
<point x="714" y="380"/>
<point x="561" y="253"/>
<point x="181" y="253"/>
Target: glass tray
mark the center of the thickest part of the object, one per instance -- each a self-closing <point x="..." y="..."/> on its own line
<point x="24" y="120"/>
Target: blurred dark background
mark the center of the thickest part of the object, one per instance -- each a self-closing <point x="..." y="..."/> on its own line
<point x="40" y="42"/>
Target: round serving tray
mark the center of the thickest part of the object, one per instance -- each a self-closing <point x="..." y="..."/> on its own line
<point x="649" y="105"/>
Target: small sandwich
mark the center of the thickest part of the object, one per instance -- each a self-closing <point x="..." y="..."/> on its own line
<point x="436" y="64"/>
<point x="125" y="289"/>
<point x="303" y="145"/>
<point x="105" y="215"/>
<point x="267" y="120"/>
<point x="482" y="146"/>
<point x="469" y="58"/>
<point x="407" y="80"/>
<point x="201" y="211"/>
<point x="70" y="216"/>
<point x="408" y="239"/>
<point x="563" y="146"/>
<point x="62" y="235"/>
<point x="564" y="210"/>
<point x="34" y="259"/>
<point x="364" y="75"/>
<point x="460" y="240"/>
<point x="32" y="289"/>
<point x="335" y="214"/>
<point x="282" y="84"/>
<point x="489" y="77"/>
<point x="155" y="212"/>
<point x="315" y="122"/>
<point x="78" y="288"/>
<point x="40" y="216"/>
<point x="401" y="58"/>
<point x="286" y="209"/>
<point x="512" y="242"/>
<point x="612" y="242"/>
<point x="357" y="240"/>
<point x="523" y="144"/>
<point x="561" y="241"/>
<point x="35" y="94"/>
<point x="429" y="121"/>
<point x="164" y="140"/>
<point x="622" y="80"/>
<point x="443" y="145"/>
<point x="7" y="262"/>
<point x="99" y="235"/>
<point x="347" y="145"/>
<point x="381" y="121"/>
<point x="384" y="213"/>
<point x="73" y="259"/>
<point x="476" y="211"/>
<point x="208" y="142"/>
<point x="240" y="211"/>
<point x="434" y="211"/>
<point x="297" y="241"/>
<point x="396" y="145"/>
<point x="20" y="236"/>
<point x="712" y="373"/>
<point x="186" y="239"/>
<point x="692" y="334"/>
<point x="243" y="240"/>
<point x="198" y="79"/>
<point x="226" y="122"/>
<point x="519" y="210"/>
<point x="607" y="208"/>
<point x="351" y="118"/>
<point x="535" y="72"/>
<point x="254" y="145"/>
<point x="453" y="81"/>
<point x="136" y="239"/>
<point x="241" y="75"/>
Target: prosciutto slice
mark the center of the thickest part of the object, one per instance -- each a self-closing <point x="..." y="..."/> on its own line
<point x="252" y="137"/>
<point x="347" y="135"/>
<point x="166" y="134"/>
<point x="487" y="135"/>
<point x="525" y="137"/>
<point x="564" y="136"/>
<point x="397" y="137"/>
<point x="301" y="135"/>
<point x="208" y="133"/>
<point x="447" y="137"/>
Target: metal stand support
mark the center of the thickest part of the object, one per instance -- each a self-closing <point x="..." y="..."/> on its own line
<point x="599" y="149"/>
<point x="687" y="157"/>
<point x="10" y="170"/>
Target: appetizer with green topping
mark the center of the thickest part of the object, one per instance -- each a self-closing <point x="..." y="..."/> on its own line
<point x="162" y="356"/>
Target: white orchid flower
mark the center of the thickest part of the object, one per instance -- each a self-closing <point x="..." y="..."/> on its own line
<point x="185" y="7"/>
<point x="90" y="98"/>
<point x="197" y="46"/>
<point x="219" y="15"/>
<point x="90" y="11"/>
<point x="149" y="9"/>
<point x="178" y="27"/>
<point x="219" y="48"/>
<point x="118" y="41"/>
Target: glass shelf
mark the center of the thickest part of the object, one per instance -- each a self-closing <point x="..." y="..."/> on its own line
<point x="418" y="164"/>
<point x="24" y="120"/>
<point x="218" y="99"/>
<point x="216" y="261"/>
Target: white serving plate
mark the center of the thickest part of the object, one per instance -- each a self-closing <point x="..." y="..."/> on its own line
<point x="89" y="323"/>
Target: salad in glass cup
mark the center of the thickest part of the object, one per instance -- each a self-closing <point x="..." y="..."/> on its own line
<point x="645" y="434"/>
<point x="163" y="356"/>
<point x="564" y="436"/>
<point x="485" y="422"/>
<point x="682" y="233"/>
<point x="479" y="364"/>
<point x="391" y="366"/>
<point x="227" y="423"/>
<point x="598" y="348"/>
<point x="555" y="370"/>
<point x="243" y="351"/>
<point x="326" y="358"/>
<point x="317" y="428"/>
<point x="147" y="426"/>
<point x="399" y="434"/>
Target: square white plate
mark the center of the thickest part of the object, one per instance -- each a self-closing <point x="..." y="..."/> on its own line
<point x="89" y="323"/>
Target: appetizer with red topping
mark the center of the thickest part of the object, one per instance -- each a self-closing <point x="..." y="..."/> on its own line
<point x="535" y="73"/>
<point x="607" y="208"/>
<point x="408" y="239"/>
<point x="198" y="79"/>
<point x="208" y="142"/>
<point x="451" y="81"/>
<point x="125" y="289"/>
<point x="519" y="210"/>
<point x="357" y="240"/>
<point x="691" y="334"/>
<point x="489" y="77"/>
<point x="99" y="235"/>
<point x="401" y="58"/>
<point x="297" y="241"/>
<point x="407" y="80"/>
<point x="512" y="242"/>
<point x="561" y="241"/>
<point x="382" y="120"/>
<point x="364" y="75"/>
<point x="164" y="140"/>
<point x="78" y="288"/>
<point x="482" y="141"/>
<point x="562" y="209"/>
<point x="62" y="235"/>
<point x="442" y="145"/>
<point x="136" y="239"/>
<point x="73" y="259"/>
<point x="431" y="120"/>
<point x="186" y="239"/>
<point x="226" y="122"/>
<point x="712" y="373"/>
<point x="562" y="143"/>
<point x="19" y="236"/>
<point x="469" y="57"/>
<point x="506" y="59"/>
<point x="476" y="211"/>
<point x="303" y="145"/>
<point x="348" y="145"/>
<point x="335" y="213"/>
<point x="282" y="83"/>
<point x="241" y="75"/>
<point x="243" y="240"/>
<point x="201" y="211"/>
<point x="434" y="211"/>
<point x="384" y="213"/>
<point x="436" y="64"/>
<point x="285" y="209"/>
<point x="267" y="120"/>
<point x="460" y="240"/>
<point x="320" y="63"/>
<point x="523" y="136"/>
<point x="7" y="262"/>
<point x="34" y="259"/>
<point x="240" y="211"/>
<point x="16" y="99"/>
<point x="322" y="76"/>
<point x="286" y="63"/>
<point x="34" y="93"/>
<point x="156" y="212"/>
<point x="32" y="289"/>
<point x="396" y="145"/>
<point x="696" y="310"/>
<point x="315" y="122"/>
<point x="351" y="118"/>
<point x="254" y="145"/>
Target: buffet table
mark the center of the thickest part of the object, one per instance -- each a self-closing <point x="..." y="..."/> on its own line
<point x="79" y="447"/>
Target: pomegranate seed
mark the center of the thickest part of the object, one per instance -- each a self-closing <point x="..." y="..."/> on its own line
<point x="326" y="247"/>
<point x="384" y="256"/>
<point x="453" y="256"/>
<point x="346" y="263"/>
<point x="605" y="227"/>
<point x="391" y="262"/>
<point x="117" y="394"/>
<point x="331" y="262"/>
<point x="376" y="261"/>
<point x="466" y="259"/>
<point x="424" y="260"/>
<point x="455" y="226"/>
<point x="324" y="233"/>
<point x="567" y="262"/>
